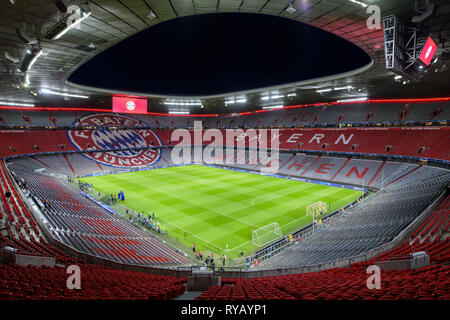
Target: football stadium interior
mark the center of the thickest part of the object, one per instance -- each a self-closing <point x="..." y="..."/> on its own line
<point x="289" y="189"/>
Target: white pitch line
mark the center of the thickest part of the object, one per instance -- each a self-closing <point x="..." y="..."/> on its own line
<point x="183" y="230"/>
<point x="264" y="199"/>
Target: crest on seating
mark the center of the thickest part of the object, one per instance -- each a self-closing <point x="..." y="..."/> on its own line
<point x="124" y="148"/>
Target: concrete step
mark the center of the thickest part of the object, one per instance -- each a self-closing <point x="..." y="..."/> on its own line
<point x="189" y="295"/>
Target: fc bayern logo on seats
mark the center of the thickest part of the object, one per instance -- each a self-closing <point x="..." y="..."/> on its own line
<point x="126" y="148"/>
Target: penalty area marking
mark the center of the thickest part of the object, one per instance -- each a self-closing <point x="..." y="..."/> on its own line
<point x="170" y="223"/>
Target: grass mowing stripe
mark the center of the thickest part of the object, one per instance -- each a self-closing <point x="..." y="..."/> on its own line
<point x="214" y="206"/>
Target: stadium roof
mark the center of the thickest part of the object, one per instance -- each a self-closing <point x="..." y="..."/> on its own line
<point x="111" y="21"/>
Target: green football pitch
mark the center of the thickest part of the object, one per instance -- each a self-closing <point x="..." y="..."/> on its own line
<point x="219" y="208"/>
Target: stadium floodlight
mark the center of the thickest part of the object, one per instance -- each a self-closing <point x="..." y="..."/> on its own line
<point x="360" y="3"/>
<point x="324" y="90"/>
<point x="398" y="77"/>
<point x="16" y="104"/>
<point x="151" y="15"/>
<point x="291" y="95"/>
<point x="274" y="107"/>
<point x="273" y="97"/>
<point x="24" y="67"/>
<point x="178" y="112"/>
<point x="183" y="103"/>
<point x="27" y="80"/>
<point x="291" y="9"/>
<point x="353" y="100"/>
<point x="72" y="25"/>
<point x="64" y="94"/>
<point x="343" y="88"/>
<point x="233" y="101"/>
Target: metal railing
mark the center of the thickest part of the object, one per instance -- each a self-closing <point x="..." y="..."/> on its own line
<point x="302" y="235"/>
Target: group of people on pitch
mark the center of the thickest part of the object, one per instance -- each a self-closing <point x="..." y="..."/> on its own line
<point x="209" y="261"/>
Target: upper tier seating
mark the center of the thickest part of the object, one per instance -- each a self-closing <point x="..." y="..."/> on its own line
<point x="346" y="113"/>
<point x="419" y="142"/>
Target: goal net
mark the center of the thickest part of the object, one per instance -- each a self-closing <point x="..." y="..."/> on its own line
<point x="266" y="234"/>
<point x="99" y="173"/>
<point x="317" y="209"/>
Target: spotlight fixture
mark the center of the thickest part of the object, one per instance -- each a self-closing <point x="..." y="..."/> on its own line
<point x="16" y="104"/>
<point x="291" y="9"/>
<point x="26" y="80"/>
<point x="274" y="107"/>
<point x="64" y="94"/>
<point x="84" y="15"/>
<point x="235" y="100"/>
<point x="343" y="88"/>
<point x="324" y="90"/>
<point x="29" y="60"/>
<point x="178" y="112"/>
<point x="183" y="103"/>
<point x="151" y="15"/>
<point x="272" y="97"/>
<point x="353" y="100"/>
<point x="360" y="3"/>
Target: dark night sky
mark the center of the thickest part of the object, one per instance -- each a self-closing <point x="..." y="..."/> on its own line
<point x="219" y="53"/>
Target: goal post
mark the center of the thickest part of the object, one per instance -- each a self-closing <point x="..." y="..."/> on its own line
<point x="317" y="210"/>
<point x="100" y="173"/>
<point x="266" y="234"/>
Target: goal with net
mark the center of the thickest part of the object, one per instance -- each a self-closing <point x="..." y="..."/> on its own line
<point x="266" y="234"/>
<point x="317" y="209"/>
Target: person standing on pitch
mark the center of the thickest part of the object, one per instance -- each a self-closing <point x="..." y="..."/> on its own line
<point x="193" y="247"/>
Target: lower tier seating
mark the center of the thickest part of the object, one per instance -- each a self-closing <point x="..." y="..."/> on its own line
<point x="428" y="283"/>
<point x="97" y="283"/>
